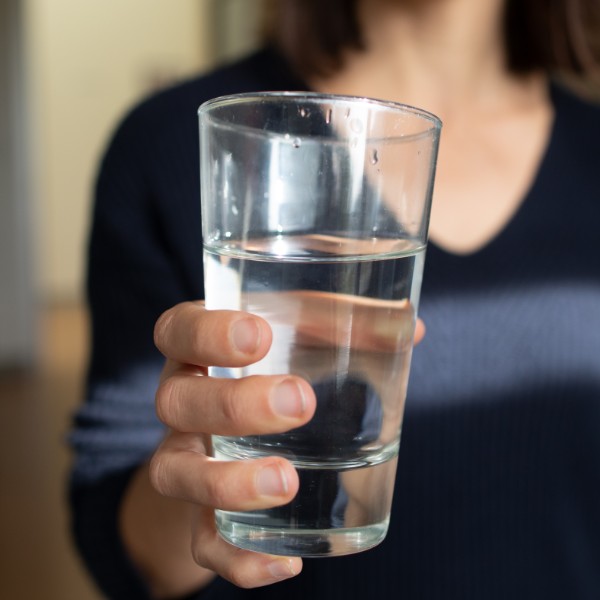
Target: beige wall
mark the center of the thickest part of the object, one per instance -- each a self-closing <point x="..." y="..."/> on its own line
<point x="88" y="60"/>
<point x="18" y="314"/>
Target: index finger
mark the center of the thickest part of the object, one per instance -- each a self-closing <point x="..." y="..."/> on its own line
<point x="190" y="334"/>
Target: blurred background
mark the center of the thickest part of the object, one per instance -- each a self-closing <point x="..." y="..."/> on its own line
<point x="69" y="69"/>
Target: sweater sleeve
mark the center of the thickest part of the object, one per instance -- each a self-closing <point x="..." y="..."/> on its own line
<point x="131" y="279"/>
<point x="144" y="256"/>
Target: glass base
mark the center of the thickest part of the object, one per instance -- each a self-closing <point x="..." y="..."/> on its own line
<point x="309" y="543"/>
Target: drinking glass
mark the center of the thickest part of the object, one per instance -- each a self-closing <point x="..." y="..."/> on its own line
<point x="315" y="212"/>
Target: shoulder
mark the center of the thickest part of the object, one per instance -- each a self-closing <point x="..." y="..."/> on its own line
<point x="164" y="114"/>
<point x="566" y="98"/>
<point x="576" y="135"/>
<point x="569" y="182"/>
<point x="576" y="113"/>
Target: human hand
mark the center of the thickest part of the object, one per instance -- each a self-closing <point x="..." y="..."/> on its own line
<point x="194" y="406"/>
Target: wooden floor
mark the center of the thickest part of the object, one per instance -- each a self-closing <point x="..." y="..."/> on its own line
<point x="37" y="559"/>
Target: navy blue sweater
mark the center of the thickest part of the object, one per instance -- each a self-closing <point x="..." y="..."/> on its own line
<point x="498" y="486"/>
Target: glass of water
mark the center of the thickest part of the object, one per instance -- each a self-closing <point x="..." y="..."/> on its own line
<point x="315" y="210"/>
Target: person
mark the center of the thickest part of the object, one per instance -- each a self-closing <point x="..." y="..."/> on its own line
<point x="498" y="484"/>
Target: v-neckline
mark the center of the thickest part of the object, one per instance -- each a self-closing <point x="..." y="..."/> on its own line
<point x="526" y="204"/>
<point x="295" y="82"/>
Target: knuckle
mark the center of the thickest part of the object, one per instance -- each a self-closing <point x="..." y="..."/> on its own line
<point x="220" y="492"/>
<point x="197" y="345"/>
<point x="233" y="410"/>
<point x="199" y="555"/>
<point x="198" y="549"/>
<point x="161" y="329"/>
<point x="239" y="577"/>
<point x="165" y="403"/>
<point x="159" y="474"/>
<point x="204" y="539"/>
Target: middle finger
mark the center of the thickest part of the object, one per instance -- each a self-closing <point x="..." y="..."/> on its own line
<point x="196" y="403"/>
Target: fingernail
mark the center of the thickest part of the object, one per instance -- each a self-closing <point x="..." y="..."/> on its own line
<point x="271" y="481"/>
<point x="281" y="569"/>
<point x="245" y="334"/>
<point x="287" y="399"/>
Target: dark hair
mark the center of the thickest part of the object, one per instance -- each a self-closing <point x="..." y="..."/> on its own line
<point x="558" y="36"/>
<point x="313" y="34"/>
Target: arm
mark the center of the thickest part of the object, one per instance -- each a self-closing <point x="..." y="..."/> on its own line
<point x="135" y="541"/>
<point x="157" y="534"/>
<point x="131" y="279"/>
<point x="145" y="525"/>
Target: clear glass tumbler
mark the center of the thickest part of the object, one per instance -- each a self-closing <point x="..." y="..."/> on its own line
<point x="315" y="212"/>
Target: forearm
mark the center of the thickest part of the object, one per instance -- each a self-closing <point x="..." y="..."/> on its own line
<point x="156" y="532"/>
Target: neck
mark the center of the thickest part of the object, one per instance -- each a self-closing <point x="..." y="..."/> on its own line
<point x="446" y="56"/>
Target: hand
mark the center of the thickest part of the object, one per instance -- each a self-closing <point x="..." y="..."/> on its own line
<point x="194" y="406"/>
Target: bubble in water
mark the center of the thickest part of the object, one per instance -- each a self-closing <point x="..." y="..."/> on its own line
<point x="347" y="115"/>
<point x="328" y="116"/>
<point x="234" y="210"/>
<point x="296" y="142"/>
<point x="374" y="157"/>
<point x="304" y="112"/>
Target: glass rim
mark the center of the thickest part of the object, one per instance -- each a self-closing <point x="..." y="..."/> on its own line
<point x="318" y="98"/>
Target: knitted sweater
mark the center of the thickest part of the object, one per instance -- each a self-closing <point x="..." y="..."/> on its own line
<point x="498" y="485"/>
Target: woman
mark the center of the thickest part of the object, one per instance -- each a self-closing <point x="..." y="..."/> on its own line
<point x="498" y="482"/>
